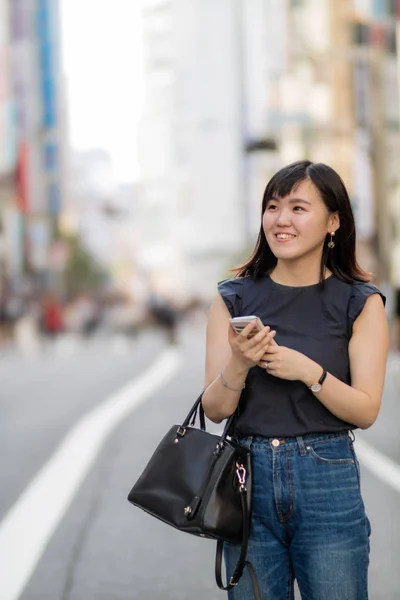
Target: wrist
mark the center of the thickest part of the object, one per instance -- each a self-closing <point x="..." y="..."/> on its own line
<point x="312" y="373"/>
<point x="237" y="366"/>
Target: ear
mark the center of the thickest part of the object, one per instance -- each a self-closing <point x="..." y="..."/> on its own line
<point x="333" y="222"/>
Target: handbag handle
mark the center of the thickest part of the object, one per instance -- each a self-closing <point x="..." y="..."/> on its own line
<point x="200" y="411"/>
<point x="197" y="407"/>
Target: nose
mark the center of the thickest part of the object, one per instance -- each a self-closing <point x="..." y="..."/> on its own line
<point x="283" y="217"/>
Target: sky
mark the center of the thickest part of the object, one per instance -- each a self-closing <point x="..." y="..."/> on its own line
<point x="102" y="58"/>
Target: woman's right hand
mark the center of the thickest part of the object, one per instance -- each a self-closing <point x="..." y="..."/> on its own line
<point x="248" y="351"/>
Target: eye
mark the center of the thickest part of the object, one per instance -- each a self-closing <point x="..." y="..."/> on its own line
<point x="271" y="206"/>
<point x="296" y="208"/>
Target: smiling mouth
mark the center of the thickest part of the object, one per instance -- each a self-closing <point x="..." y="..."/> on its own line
<point x="285" y="236"/>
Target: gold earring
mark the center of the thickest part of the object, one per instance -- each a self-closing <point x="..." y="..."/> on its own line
<point x="331" y="244"/>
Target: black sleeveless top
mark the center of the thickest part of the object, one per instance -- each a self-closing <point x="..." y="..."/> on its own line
<point x="317" y="322"/>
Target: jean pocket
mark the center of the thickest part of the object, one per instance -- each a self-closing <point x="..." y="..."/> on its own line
<point x="336" y="452"/>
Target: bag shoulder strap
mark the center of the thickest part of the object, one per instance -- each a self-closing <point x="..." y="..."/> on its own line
<point x="242" y="562"/>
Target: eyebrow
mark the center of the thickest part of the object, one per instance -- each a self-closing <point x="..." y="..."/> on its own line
<point x="292" y="201"/>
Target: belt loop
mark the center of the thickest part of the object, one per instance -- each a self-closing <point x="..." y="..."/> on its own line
<point x="302" y="448"/>
<point x="246" y="442"/>
<point x="352" y="436"/>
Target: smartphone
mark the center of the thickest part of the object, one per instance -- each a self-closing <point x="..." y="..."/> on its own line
<point x="239" y="323"/>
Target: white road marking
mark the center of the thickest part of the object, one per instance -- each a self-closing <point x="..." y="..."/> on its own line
<point x="381" y="466"/>
<point x="26" y="530"/>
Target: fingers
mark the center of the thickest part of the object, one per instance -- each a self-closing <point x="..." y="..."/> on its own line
<point x="267" y="365"/>
<point x="255" y="337"/>
<point x="272" y="349"/>
<point x="253" y="343"/>
<point x="261" y="347"/>
<point x="270" y="357"/>
<point x="250" y="331"/>
<point x="264" y="337"/>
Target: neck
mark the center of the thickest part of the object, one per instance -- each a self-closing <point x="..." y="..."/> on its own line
<point x="298" y="273"/>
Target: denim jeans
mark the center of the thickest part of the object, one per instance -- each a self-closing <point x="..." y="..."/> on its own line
<point x="308" y="520"/>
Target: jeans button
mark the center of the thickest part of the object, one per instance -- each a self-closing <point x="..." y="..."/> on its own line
<point x="275" y="443"/>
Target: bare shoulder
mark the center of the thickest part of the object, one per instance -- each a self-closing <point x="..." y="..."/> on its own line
<point x="368" y="349"/>
<point x="218" y="303"/>
<point x="218" y="320"/>
<point x="373" y="314"/>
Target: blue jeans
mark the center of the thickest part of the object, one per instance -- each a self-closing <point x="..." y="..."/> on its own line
<point x="308" y="520"/>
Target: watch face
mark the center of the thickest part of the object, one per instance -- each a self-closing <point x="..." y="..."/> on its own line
<point x="316" y="387"/>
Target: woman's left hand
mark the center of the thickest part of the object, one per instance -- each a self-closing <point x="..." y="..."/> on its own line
<point x="285" y="363"/>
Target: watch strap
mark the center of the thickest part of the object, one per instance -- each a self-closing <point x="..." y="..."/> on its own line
<point x="323" y="377"/>
<point x="316" y="387"/>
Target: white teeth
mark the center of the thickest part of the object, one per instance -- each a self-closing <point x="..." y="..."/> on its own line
<point x="285" y="236"/>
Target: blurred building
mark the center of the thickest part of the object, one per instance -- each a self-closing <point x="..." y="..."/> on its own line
<point x="190" y="140"/>
<point x="232" y="98"/>
<point x="376" y="38"/>
<point x="105" y="216"/>
<point x="344" y="81"/>
<point x="37" y="90"/>
<point x="90" y="190"/>
<point x="100" y="211"/>
<point x="262" y="61"/>
<point x="315" y="90"/>
<point x="8" y="210"/>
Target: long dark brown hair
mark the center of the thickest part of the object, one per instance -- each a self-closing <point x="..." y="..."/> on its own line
<point x="341" y="259"/>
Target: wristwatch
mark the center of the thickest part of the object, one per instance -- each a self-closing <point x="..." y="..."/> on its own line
<point x="316" y="387"/>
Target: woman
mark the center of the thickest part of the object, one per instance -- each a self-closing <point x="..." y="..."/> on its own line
<point x="302" y="384"/>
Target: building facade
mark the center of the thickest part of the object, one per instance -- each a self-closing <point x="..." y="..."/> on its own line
<point x="232" y="98"/>
<point x="340" y="101"/>
<point x="190" y="143"/>
<point x="8" y="210"/>
<point x="36" y="80"/>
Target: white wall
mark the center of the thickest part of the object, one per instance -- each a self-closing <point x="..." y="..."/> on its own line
<point x="215" y="163"/>
<point x="190" y="138"/>
<point x="264" y="49"/>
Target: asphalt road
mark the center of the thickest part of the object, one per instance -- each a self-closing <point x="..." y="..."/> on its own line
<point x="103" y="548"/>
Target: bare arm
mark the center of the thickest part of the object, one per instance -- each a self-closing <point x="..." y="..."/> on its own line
<point x="359" y="403"/>
<point x="232" y="353"/>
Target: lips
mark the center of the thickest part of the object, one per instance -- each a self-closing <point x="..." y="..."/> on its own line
<point x="283" y="237"/>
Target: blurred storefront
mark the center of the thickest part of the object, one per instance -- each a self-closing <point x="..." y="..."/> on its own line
<point x="377" y="119"/>
<point x="8" y="209"/>
<point x="338" y="103"/>
<point x="36" y="79"/>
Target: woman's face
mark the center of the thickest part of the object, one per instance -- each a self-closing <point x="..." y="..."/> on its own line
<point x="296" y="225"/>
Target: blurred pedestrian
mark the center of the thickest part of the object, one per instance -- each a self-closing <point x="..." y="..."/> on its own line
<point x="302" y="384"/>
<point x="81" y="316"/>
<point x="6" y="322"/>
<point x="26" y="329"/>
<point x="11" y="309"/>
<point x="52" y="321"/>
<point x="164" y="314"/>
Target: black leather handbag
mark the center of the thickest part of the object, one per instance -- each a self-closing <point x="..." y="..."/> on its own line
<point x="200" y="483"/>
